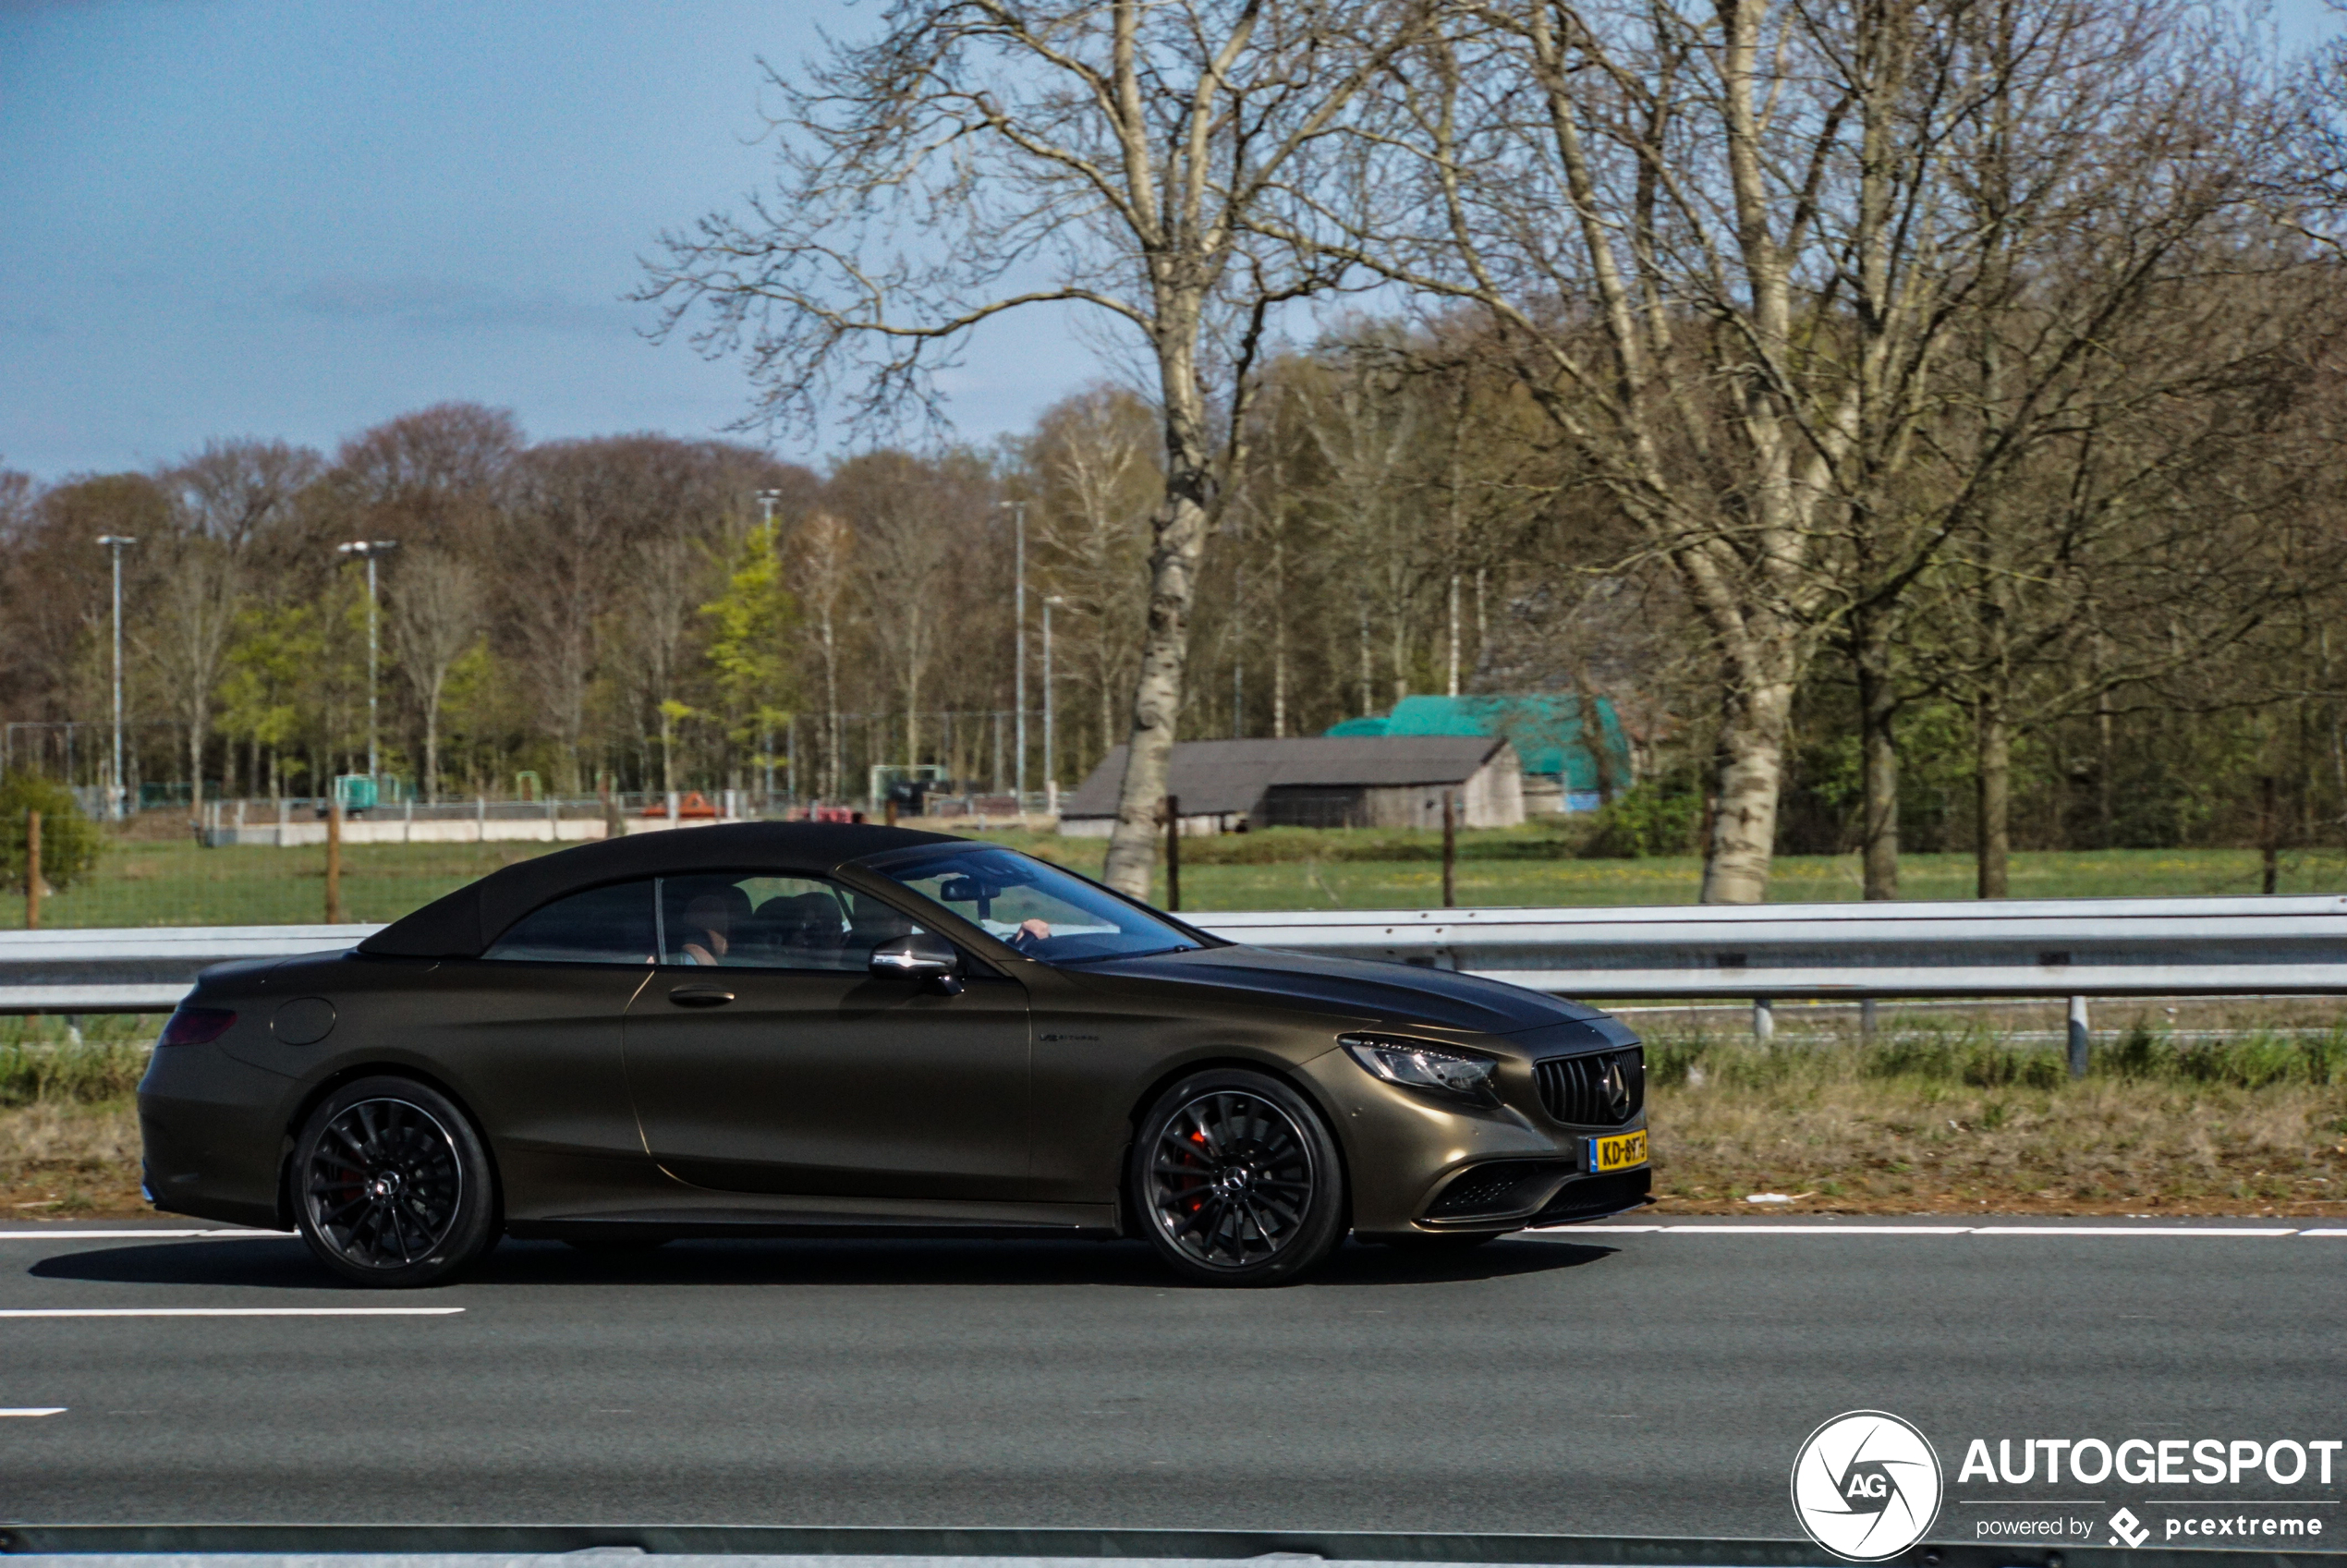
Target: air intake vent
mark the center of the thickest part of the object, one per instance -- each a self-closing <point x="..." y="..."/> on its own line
<point x="1604" y="1090"/>
<point x="1506" y="1187"/>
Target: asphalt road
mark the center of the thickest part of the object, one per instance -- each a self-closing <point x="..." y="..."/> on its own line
<point x="1625" y="1382"/>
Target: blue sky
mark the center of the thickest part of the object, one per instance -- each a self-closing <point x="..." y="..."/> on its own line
<point x="279" y="217"/>
<point x="230" y="218"/>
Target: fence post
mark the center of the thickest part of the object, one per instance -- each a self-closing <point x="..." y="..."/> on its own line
<point x="334" y="861"/>
<point x="1450" y="849"/>
<point x="1764" y="1020"/>
<point x="32" y="870"/>
<point x="2079" y="1040"/>
<point x="1173" y="853"/>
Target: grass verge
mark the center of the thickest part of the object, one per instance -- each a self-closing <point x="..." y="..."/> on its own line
<point x="147" y="881"/>
<point x="1946" y="1118"/>
<point x="1955" y="1118"/>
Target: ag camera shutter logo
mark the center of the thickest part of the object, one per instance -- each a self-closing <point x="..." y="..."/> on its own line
<point x="1866" y="1486"/>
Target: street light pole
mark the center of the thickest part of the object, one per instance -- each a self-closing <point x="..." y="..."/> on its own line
<point x="1018" y="659"/>
<point x="1050" y="750"/>
<point x="115" y="544"/>
<point x="767" y="501"/>
<point x="367" y="550"/>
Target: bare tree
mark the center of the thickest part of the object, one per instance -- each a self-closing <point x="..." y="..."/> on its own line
<point x="224" y="502"/>
<point x="431" y="474"/>
<point x="238" y="492"/>
<point x="1120" y="155"/>
<point x="1730" y="246"/>
<point x="1089" y="463"/>
<point x="906" y="513"/>
<point x="439" y="609"/>
<point x="195" y="585"/>
<point x="668" y="577"/>
<point x="821" y="561"/>
<point x="1368" y="428"/>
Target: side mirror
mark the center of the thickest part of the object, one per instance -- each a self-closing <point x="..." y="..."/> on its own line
<point x="923" y="957"/>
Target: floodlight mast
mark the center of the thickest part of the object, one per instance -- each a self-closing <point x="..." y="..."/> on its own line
<point x="767" y="500"/>
<point x="1050" y="750"/>
<point x="367" y="550"/>
<point x="1018" y="654"/>
<point x="118" y="793"/>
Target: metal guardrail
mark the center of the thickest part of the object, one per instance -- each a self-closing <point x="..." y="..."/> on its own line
<point x="143" y="969"/>
<point x="2059" y="947"/>
<point x="2049" y="947"/>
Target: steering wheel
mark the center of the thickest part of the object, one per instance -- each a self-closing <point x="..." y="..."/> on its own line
<point x="1026" y="941"/>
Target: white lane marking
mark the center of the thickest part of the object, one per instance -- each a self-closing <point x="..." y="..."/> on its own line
<point x="1829" y="1229"/>
<point x="2127" y="1231"/>
<point x="1561" y="1231"/>
<point x="33" y="1410"/>
<point x="114" y="1236"/>
<point x="228" y="1311"/>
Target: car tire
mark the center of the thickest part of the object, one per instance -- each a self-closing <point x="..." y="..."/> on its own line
<point x="1235" y="1180"/>
<point x="392" y="1187"/>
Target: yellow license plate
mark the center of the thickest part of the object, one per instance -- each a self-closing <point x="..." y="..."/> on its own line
<point x="1619" y="1152"/>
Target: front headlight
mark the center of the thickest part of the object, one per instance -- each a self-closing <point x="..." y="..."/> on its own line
<point x="1415" y="1064"/>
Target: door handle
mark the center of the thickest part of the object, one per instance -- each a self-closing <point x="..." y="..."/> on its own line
<point x="699" y="996"/>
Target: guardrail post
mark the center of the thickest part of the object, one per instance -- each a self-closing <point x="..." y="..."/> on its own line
<point x="32" y="870"/>
<point x="1867" y="1021"/>
<point x="1450" y="849"/>
<point x="1764" y="1019"/>
<point x="334" y="861"/>
<point x="2078" y="1037"/>
<point x="1173" y="853"/>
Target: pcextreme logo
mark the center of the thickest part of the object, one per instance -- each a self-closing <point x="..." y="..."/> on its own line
<point x="1866" y="1486"/>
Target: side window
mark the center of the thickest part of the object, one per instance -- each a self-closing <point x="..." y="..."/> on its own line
<point x="604" y="925"/>
<point x="759" y="920"/>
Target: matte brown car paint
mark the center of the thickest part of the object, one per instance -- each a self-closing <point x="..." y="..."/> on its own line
<point x="825" y="1100"/>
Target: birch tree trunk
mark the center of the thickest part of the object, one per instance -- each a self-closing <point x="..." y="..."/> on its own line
<point x="1156" y="162"/>
<point x="1878" y="755"/>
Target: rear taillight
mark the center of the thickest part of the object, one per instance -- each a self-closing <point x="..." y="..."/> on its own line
<point x="196" y="1025"/>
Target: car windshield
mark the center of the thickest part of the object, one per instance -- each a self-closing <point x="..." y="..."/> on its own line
<point x="1035" y="906"/>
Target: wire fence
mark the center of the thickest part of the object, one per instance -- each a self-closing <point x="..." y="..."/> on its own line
<point x="265" y="862"/>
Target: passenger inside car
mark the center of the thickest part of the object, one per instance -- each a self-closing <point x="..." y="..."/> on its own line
<point x="708" y="926"/>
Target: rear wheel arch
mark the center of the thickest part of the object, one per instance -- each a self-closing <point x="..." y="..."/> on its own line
<point x="333" y="1081"/>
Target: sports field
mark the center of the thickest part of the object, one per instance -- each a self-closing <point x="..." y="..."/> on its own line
<point x="169" y="882"/>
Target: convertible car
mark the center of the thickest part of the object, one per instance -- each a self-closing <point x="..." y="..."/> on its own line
<point x="783" y="1029"/>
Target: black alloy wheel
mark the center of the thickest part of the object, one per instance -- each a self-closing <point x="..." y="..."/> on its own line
<point x="1237" y="1181"/>
<point x="392" y="1187"/>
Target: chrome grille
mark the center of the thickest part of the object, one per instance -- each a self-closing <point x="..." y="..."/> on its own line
<point x="1604" y="1089"/>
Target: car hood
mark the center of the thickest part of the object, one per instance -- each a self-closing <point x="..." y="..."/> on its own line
<point x="1401" y="994"/>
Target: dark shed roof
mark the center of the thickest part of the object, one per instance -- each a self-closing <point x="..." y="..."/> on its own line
<point x="463" y="924"/>
<point x="1214" y="777"/>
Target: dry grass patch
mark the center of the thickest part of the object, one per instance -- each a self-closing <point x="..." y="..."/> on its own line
<point x="63" y="1160"/>
<point x="1955" y="1122"/>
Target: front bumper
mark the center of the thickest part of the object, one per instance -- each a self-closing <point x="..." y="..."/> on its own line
<point x="1420" y="1165"/>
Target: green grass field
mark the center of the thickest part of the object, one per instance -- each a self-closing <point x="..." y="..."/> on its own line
<point x="149" y="883"/>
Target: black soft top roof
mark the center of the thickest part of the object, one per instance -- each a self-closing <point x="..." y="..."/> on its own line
<point x="463" y="924"/>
